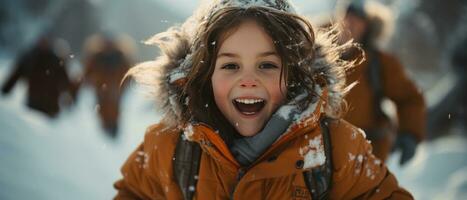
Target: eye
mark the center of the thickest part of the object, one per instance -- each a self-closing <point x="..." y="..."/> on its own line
<point x="230" y="66"/>
<point x="268" y="66"/>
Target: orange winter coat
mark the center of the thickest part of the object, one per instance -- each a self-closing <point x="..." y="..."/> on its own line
<point x="396" y="86"/>
<point x="148" y="172"/>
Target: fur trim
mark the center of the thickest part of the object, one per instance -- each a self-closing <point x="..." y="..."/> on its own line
<point x="161" y="76"/>
<point x="328" y="64"/>
<point x="158" y="76"/>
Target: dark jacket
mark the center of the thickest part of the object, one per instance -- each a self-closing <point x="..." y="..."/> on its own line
<point x="46" y="76"/>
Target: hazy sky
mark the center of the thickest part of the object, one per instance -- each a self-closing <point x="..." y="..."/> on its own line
<point x="185" y="7"/>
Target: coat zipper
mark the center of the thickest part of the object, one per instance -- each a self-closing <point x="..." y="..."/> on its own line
<point x="240" y="174"/>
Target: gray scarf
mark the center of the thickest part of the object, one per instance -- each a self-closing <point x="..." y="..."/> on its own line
<point x="246" y="150"/>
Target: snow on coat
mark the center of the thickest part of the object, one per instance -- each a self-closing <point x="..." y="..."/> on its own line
<point x="278" y="172"/>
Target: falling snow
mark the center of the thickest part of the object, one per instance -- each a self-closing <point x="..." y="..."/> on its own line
<point x="418" y="165"/>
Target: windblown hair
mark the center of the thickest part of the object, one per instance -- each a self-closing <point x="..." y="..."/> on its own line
<point x="181" y="77"/>
<point x="293" y="39"/>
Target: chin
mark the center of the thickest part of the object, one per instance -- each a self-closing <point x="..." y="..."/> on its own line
<point x="248" y="132"/>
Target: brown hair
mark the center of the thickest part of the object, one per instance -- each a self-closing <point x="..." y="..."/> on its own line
<point x="293" y="38"/>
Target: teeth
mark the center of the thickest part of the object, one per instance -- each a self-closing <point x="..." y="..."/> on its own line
<point x="249" y="101"/>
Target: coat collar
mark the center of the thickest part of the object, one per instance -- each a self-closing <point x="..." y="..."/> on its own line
<point x="214" y="145"/>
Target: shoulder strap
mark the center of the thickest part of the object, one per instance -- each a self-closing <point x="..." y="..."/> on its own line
<point x="187" y="159"/>
<point x="319" y="179"/>
<point x="186" y="163"/>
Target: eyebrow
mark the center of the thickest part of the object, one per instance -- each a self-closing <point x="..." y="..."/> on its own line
<point x="233" y="55"/>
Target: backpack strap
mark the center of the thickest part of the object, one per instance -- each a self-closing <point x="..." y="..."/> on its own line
<point x="187" y="158"/>
<point x="186" y="163"/>
<point x="319" y="180"/>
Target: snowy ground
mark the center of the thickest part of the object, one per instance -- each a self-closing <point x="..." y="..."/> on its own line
<point x="71" y="158"/>
<point x="438" y="171"/>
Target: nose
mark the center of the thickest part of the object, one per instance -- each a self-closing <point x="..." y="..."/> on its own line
<point x="248" y="82"/>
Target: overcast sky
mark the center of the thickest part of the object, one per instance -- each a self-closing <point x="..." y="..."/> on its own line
<point x="185" y="7"/>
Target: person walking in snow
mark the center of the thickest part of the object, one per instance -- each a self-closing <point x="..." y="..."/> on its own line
<point x="252" y="98"/>
<point x="106" y="63"/>
<point x="381" y="76"/>
<point x="47" y="77"/>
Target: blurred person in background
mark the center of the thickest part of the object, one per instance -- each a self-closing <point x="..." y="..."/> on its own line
<point x="381" y="76"/>
<point x="106" y="60"/>
<point x="44" y="67"/>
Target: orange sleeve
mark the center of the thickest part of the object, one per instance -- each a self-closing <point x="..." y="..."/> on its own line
<point x="139" y="180"/>
<point x="409" y="100"/>
<point x="127" y="186"/>
<point x="358" y="174"/>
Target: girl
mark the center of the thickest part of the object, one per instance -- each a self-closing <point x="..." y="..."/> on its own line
<point x="249" y="82"/>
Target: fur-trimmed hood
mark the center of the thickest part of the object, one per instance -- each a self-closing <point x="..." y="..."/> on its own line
<point x="165" y="74"/>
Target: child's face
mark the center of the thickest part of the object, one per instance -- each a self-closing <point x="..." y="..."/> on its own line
<point x="246" y="79"/>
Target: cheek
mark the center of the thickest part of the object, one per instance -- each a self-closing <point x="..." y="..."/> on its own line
<point x="220" y="89"/>
<point x="278" y="91"/>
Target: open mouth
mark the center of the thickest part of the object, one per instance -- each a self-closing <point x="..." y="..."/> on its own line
<point x="249" y="106"/>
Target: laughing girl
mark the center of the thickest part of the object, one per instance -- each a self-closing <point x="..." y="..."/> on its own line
<point x="251" y="98"/>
